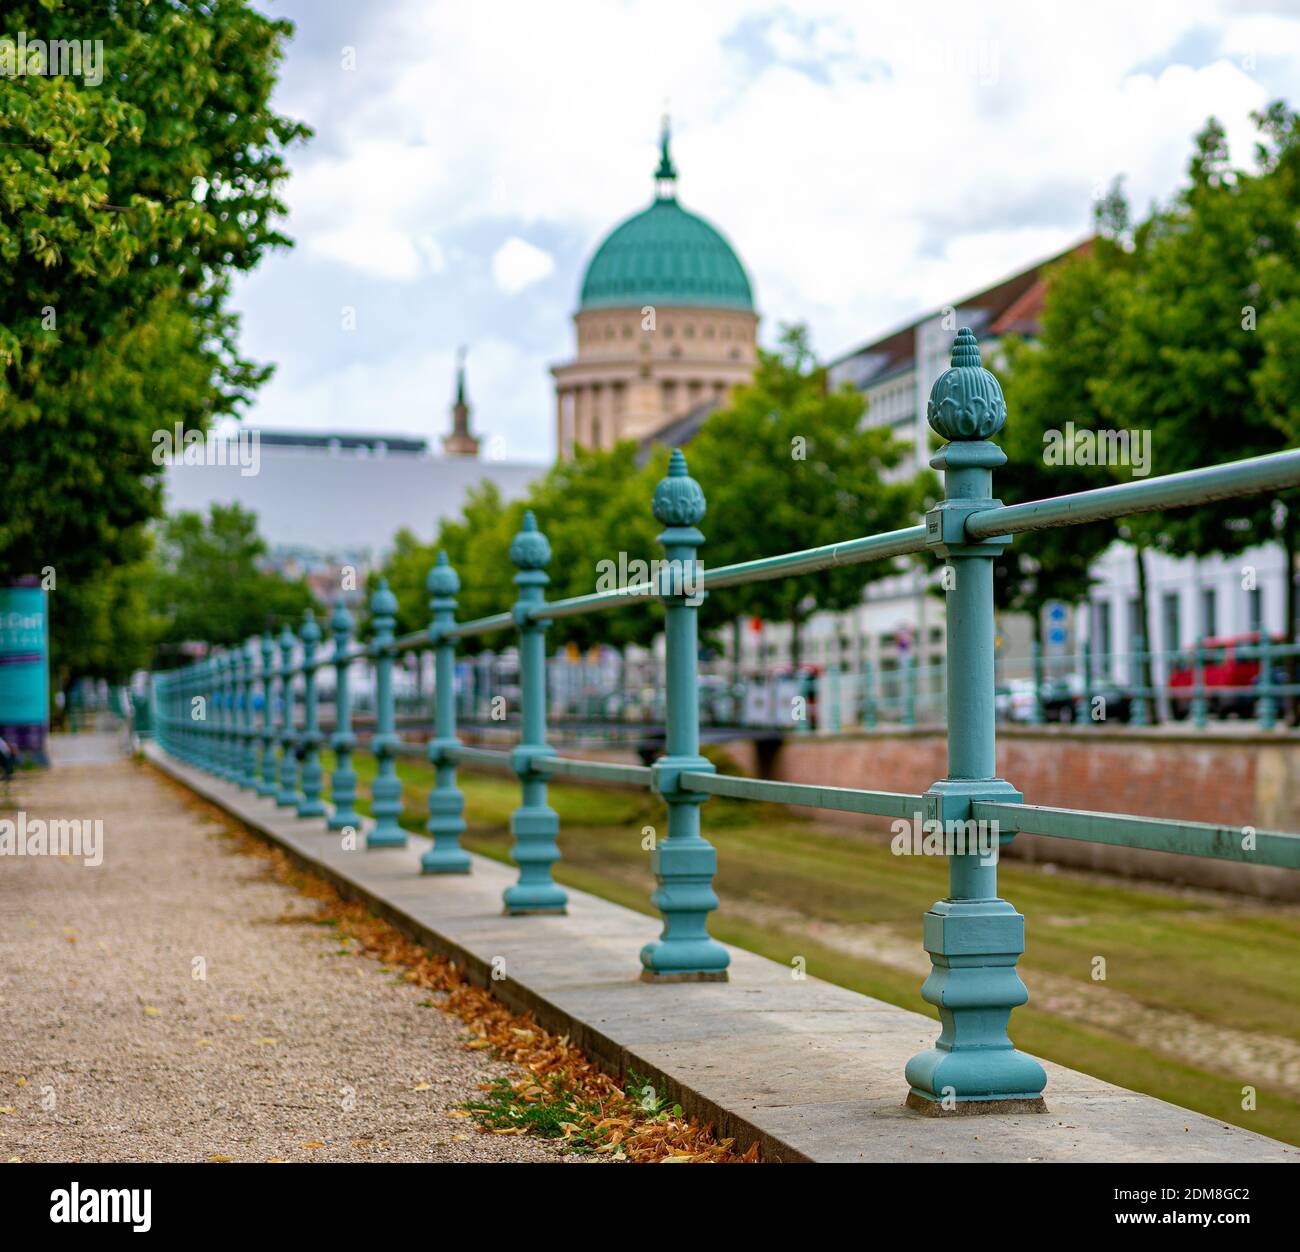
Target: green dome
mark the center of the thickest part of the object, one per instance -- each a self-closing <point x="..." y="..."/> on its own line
<point x="665" y="255"/>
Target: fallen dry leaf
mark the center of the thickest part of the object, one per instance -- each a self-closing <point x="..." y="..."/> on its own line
<point x="556" y="1070"/>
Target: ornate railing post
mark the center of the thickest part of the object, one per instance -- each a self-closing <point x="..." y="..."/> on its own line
<point x="186" y="710"/>
<point x="1267" y="702"/>
<point x="343" y="781"/>
<point x="215" y="714"/>
<point x="833" y="699"/>
<point x="229" y="716"/>
<point x="386" y="793"/>
<point x="685" y="862"/>
<point x="973" y="937"/>
<point x="248" y="770"/>
<point x="446" y="821"/>
<point x="266" y="781"/>
<point x="238" y="715"/>
<point x="868" y="696"/>
<point x="225" y="735"/>
<point x="188" y="732"/>
<point x="534" y="824"/>
<point x="1139" y="717"/>
<point x="287" y="796"/>
<point x="1200" y="711"/>
<point x="310" y="803"/>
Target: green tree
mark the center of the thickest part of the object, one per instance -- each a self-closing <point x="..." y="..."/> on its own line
<point x="1049" y="382"/>
<point x="591" y="509"/>
<point x="788" y="464"/>
<point x="211" y="586"/>
<point x="125" y="206"/>
<point x="105" y="626"/>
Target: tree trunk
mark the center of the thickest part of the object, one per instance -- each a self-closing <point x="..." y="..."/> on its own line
<point x="1144" y="625"/>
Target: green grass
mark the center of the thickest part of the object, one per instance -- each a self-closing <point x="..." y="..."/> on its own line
<point x="1226" y="961"/>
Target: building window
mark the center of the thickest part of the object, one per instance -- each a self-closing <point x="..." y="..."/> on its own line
<point x="1102" y="643"/>
<point x="1209" y="613"/>
<point x="595" y="431"/>
<point x="689" y="332"/>
<point x="1255" y="608"/>
<point x="668" y="330"/>
<point x="627" y="332"/>
<point x="1169" y="608"/>
<point x="726" y="330"/>
<point x="708" y="331"/>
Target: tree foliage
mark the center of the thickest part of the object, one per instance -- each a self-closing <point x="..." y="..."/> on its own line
<point x="124" y="209"/>
<point x="210" y="584"/>
<point x="1182" y="328"/>
<point x="785" y="465"/>
<point x="788" y="464"/>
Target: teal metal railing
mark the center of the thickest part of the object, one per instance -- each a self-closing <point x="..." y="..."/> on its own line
<point x="204" y="715"/>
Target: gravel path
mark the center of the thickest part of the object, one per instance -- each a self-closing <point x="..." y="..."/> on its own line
<point x="288" y="1049"/>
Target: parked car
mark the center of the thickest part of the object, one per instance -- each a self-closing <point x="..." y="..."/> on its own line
<point x="1063" y="700"/>
<point x="1231" y="677"/>
<point x="1014" y="702"/>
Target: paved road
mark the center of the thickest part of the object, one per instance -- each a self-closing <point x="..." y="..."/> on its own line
<point x="114" y="1050"/>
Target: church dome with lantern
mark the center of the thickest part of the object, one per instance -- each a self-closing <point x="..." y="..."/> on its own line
<point x="666" y="324"/>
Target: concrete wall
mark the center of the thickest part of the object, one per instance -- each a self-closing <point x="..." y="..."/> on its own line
<point x="1236" y="779"/>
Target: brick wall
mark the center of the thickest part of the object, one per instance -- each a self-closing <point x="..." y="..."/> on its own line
<point x="1233" y="779"/>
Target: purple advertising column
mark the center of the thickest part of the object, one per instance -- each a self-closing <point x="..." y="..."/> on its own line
<point x="25" y="670"/>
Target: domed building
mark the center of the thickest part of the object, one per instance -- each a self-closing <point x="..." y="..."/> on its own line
<point x="666" y="325"/>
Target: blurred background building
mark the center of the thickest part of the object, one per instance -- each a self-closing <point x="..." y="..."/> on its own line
<point x="666" y="325"/>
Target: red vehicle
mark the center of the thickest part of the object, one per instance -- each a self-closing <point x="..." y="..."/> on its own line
<point x="1230" y="677"/>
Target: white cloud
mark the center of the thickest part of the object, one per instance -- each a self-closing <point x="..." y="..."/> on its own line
<point x="517" y="264"/>
<point x="867" y="162"/>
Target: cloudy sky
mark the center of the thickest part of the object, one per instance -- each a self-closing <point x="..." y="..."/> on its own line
<point x="868" y="161"/>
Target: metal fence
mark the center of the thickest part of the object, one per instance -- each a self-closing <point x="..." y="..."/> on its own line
<point x="205" y="715"/>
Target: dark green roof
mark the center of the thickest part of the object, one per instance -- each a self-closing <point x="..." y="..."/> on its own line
<point x="665" y="255"/>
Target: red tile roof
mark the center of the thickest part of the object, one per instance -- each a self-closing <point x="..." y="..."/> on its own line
<point x="1012" y="306"/>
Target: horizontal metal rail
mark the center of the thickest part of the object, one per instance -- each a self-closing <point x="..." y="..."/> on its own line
<point x="1215" y="482"/>
<point x="851" y="552"/>
<point x="609" y="771"/>
<point x="1156" y="834"/>
<point x="485" y="757"/>
<point x="480" y="626"/>
<point x="841" y="799"/>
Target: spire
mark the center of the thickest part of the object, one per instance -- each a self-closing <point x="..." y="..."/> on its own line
<point x="666" y="174"/>
<point x="460" y="442"/>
